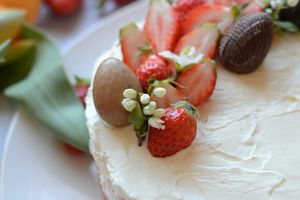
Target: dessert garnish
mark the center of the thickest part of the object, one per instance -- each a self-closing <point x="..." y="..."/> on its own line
<point x="285" y="14"/>
<point x="211" y="13"/>
<point x="198" y="82"/>
<point x="81" y="88"/>
<point x="291" y="13"/>
<point x="143" y="111"/>
<point x="180" y="129"/>
<point x="111" y="79"/>
<point x="172" y="93"/>
<point x="134" y="46"/>
<point x="186" y="58"/>
<point x="243" y="48"/>
<point x="162" y="27"/>
<point x="153" y="68"/>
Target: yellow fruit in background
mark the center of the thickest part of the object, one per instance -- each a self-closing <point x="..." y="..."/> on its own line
<point x="10" y="23"/>
<point x="32" y="7"/>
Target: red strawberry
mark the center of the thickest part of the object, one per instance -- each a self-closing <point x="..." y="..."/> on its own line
<point x="179" y="132"/>
<point x="198" y="82"/>
<point x="154" y="67"/>
<point x="64" y="7"/>
<point x="205" y="13"/>
<point x="227" y="3"/>
<point x="172" y="95"/>
<point x="72" y="150"/>
<point x="204" y="39"/>
<point x="81" y="89"/>
<point x="161" y="26"/>
<point x="134" y="46"/>
<point x="183" y="7"/>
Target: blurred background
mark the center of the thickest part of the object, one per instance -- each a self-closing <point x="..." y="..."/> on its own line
<point x="65" y="21"/>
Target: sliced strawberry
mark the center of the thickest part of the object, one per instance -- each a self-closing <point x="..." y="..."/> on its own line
<point x="205" y="13"/>
<point x="183" y="7"/>
<point x="134" y="46"/>
<point x="161" y="26"/>
<point x="172" y="95"/>
<point x="253" y="6"/>
<point x="198" y="82"/>
<point x="204" y="39"/>
<point x="227" y="3"/>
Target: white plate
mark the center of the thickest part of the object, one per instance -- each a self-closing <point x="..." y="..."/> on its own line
<point x="35" y="166"/>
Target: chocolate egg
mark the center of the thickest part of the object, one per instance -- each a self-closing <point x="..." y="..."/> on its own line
<point x="111" y="79"/>
<point x="243" y="48"/>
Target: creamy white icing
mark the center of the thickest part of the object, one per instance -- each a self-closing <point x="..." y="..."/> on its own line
<point x="246" y="148"/>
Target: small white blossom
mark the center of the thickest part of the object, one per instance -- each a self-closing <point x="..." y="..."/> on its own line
<point x="158" y="113"/>
<point x="186" y="58"/>
<point x="156" y="123"/>
<point x="130" y="93"/>
<point x="129" y="104"/>
<point x="147" y="110"/>
<point x="152" y="105"/>
<point x="276" y="4"/>
<point x="159" y="92"/>
<point x="292" y="3"/>
<point x="145" y="98"/>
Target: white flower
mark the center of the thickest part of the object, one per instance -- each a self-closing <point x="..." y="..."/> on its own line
<point x="276" y="4"/>
<point x="159" y="92"/>
<point x="147" y="110"/>
<point x="292" y="3"/>
<point x="145" y="98"/>
<point x="152" y="105"/>
<point x="186" y="58"/>
<point x="158" y="113"/>
<point x="129" y="104"/>
<point x="156" y="123"/>
<point x="130" y="93"/>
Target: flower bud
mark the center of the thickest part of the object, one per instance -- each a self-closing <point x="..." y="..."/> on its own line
<point x="130" y="93"/>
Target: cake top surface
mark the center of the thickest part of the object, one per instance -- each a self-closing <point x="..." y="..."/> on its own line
<point x="246" y="143"/>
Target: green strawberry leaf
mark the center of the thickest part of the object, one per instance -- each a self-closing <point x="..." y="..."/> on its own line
<point x="286" y="26"/>
<point x="80" y="80"/>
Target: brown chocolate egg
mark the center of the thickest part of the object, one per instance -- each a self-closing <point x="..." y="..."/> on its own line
<point x="111" y="79"/>
<point x="243" y="48"/>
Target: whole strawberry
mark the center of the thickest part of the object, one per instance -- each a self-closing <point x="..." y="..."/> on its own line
<point x="153" y="68"/>
<point x="64" y="7"/>
<point x="179" y="132"/>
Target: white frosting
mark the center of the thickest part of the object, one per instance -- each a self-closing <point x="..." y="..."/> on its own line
<point x="246" y="148"/>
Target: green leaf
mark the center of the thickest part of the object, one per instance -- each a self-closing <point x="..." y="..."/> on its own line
<point x="47" y="94"/>
<point x="17" y="63"/>
<point x="3" y="48"/>
<point x="287" y="26"/>
<point x="136" y="117"/>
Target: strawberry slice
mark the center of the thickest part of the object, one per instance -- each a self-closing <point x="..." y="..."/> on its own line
<point x="253" y="6"/>
<point x="161" y="26"/>
<point x="204" y="39"/>
<point x="205" y="13"/>
<point x="134" y="46"/>
<point x="183" y="7"/>
<point x="172" y="95"/>
<point x="198" y="82"/>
